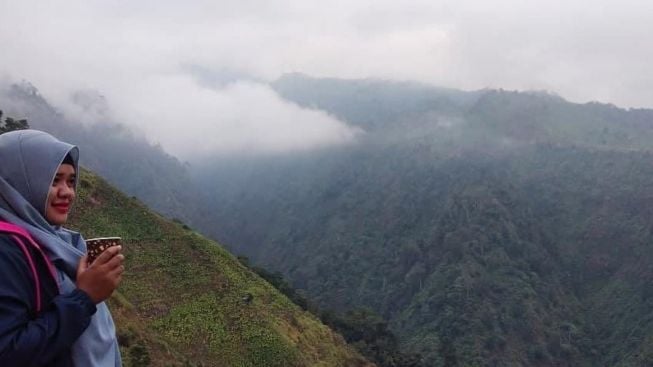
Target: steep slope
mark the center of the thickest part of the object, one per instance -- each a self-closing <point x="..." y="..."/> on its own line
<point x="445" y="249"/>
<point x="186" y="301"/>
<point x="488" y="228"/>
<point x="519" y="234"/>
<point x="597" y="204"/>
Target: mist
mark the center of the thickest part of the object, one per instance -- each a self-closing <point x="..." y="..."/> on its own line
<point x="194" y="76"/>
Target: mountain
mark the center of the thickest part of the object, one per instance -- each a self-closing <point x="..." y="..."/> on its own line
<point x="126" y="159"/>
<point x="372" y="104"/>
<point x="488" y="227"/>
<point x="185" y="301"/>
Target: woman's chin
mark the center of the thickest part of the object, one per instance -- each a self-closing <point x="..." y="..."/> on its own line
<point x="57" y="219"/>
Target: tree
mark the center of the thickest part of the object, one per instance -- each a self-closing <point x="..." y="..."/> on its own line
<point x="11" y="124"/>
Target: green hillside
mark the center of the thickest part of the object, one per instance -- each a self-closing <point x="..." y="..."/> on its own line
<point x="503" y="229"/>
<point x="485" y="228"/>
<point x="185" y="301"/>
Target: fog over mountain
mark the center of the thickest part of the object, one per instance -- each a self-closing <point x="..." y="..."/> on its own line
<point x="484" y="228"/>
<point x="475" y="174"/>
<point x="144" y="58"/>
<point x="489" y="228"/>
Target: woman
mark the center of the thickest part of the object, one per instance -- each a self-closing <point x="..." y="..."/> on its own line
<point x="51" y="301"/>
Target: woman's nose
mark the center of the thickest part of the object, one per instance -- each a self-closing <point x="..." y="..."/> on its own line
<point x="66" y="191"/>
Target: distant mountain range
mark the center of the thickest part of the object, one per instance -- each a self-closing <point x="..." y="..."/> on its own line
<point x="488" y="227"/>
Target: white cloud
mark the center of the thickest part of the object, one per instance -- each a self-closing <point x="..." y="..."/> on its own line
<point x="243" y="116"/>
<point x="137" y="54"/>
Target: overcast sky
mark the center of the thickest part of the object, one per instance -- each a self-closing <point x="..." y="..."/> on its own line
<point x="141" y="56"/>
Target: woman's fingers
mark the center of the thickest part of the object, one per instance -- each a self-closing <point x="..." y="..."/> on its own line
<point x="107" y="255"/>
<point x="100" y="279"/>
<point x="114" y="262"/>
<point x="118" y="270"/>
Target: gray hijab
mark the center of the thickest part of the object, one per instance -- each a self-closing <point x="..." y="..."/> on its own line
<point x="29" y="160"/>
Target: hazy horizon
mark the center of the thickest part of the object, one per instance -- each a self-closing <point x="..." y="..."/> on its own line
<point x="160" y="63"/>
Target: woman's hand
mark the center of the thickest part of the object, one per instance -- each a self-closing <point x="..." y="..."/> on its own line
<point x="102" y="277"/>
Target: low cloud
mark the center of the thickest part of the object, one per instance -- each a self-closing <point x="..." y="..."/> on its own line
<point x="243" y="117"/>
<point x="145" y="56"/>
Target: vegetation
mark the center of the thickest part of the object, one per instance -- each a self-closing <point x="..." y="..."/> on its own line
<point x="182" y="301"/>
<point x="488" y="228"/>
<point x="11" y="124"/>
<point x="362" y="328"/>
<point x="370" y="334"/>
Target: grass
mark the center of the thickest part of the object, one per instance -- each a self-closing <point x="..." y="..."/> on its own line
<point x="185" y="301"/>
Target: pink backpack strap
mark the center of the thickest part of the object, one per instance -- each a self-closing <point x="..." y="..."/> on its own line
<point x="23" y="239"/>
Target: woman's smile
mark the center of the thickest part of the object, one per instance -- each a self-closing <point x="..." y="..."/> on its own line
<point x="61" y="207"/>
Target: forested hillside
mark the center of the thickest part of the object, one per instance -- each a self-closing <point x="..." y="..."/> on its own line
<point x="489" y="228"/>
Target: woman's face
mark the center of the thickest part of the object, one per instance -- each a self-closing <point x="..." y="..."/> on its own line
<point x="61" y="195"/>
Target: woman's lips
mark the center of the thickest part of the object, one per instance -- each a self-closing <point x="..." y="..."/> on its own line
<point x="61" y="208"/>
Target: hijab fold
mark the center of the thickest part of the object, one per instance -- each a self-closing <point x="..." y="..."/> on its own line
<point x="29" y="160"/>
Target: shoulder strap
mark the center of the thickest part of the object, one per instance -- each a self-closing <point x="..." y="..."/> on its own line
<point x="12" y="228"/>
<point x="23" y="239"/>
